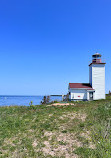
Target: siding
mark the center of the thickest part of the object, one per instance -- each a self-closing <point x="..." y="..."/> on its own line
<point x="78" y="94"/>
<point x="98" y="81"/>
<point x="90" y="75"/>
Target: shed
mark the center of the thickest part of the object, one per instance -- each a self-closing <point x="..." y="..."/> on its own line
<point x="80" y="91"/>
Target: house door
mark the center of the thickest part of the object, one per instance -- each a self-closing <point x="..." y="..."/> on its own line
<point x="90" y="95"/>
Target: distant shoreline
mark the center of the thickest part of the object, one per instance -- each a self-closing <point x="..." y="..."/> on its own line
<point x="28" y="95"/>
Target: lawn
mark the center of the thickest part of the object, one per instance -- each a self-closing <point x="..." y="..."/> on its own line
<point x="44" y="131"/>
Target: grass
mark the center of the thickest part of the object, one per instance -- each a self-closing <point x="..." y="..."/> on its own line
<point x="79" y="130"/>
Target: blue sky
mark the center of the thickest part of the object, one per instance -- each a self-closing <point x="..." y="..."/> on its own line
<point x="44" y="45"/>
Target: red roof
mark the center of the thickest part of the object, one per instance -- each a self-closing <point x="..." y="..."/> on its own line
<point x="80" y="85"/>
<point x="96" y="63"/>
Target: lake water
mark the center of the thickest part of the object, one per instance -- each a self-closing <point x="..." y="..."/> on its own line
<point x="24" y="100"/>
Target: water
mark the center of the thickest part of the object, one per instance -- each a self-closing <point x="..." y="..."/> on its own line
<point x="24" y="100"/>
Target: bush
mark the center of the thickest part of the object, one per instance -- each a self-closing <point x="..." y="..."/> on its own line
<point x="45" y="100"/>
<point x="31" y="103"/>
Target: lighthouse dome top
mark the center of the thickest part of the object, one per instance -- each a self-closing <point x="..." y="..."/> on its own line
<point x="96" y="55"/>
<point x="96" y="59"/>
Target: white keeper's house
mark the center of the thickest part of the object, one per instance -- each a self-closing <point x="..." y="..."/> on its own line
<point x="95" y="89"/>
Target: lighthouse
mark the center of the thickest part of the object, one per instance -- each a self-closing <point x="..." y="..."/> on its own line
<point x="95" y="89"/>
<point x="97" y="76"/>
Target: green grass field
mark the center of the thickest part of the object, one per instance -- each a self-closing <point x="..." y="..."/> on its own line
<point x="43" y="131"/>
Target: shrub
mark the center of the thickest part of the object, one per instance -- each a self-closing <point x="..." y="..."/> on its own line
<point x="45" y="100"/>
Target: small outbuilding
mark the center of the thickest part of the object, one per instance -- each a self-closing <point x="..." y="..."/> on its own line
<point x="80" y="91"/>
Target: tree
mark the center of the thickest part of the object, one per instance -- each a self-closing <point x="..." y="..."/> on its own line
<point x="66" y="97"/>
<point x="45" y="100"/>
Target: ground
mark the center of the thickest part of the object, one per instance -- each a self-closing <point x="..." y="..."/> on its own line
<point x="78" y="129"/>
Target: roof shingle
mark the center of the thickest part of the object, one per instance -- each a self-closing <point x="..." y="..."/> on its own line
<point x="80" y="85"/>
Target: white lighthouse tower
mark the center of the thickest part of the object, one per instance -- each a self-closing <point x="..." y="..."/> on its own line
<point x="97" y="76"/>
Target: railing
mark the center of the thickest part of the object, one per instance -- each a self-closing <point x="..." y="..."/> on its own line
<point x="97" y="61"/>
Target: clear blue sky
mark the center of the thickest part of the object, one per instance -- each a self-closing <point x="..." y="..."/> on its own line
<point x="45" y="44"/>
